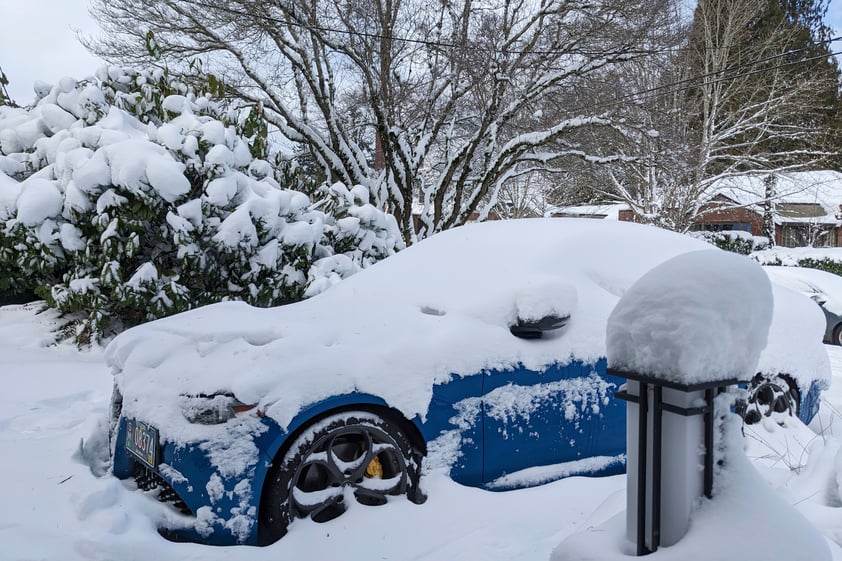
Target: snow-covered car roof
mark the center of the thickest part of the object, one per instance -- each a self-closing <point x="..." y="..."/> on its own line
<point x="440" y="308"/>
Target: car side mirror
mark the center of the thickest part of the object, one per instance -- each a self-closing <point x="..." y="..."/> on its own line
<point x="542" y="305"/>
<point x="535" y="328"/>
<point x="818" y="299"/>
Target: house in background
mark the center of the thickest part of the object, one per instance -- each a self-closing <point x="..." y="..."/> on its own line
<point x="806" y="208"/>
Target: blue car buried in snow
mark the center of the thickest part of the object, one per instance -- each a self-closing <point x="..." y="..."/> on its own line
<point x="479" y="352"/>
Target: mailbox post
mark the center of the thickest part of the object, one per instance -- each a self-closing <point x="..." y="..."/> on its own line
<point x="670" y="427"/>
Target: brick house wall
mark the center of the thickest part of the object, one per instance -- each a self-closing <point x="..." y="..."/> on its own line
<point x="727" y="216"/>
<point x="733" y="216"/>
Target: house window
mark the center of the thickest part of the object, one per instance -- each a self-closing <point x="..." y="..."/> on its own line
<point x="722" y="226"/>
<point x="801" y="235"/>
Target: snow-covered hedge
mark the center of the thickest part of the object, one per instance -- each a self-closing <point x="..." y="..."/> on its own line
<point x="128" y="197"/>
<point x="735" y="241"/>
<point x="823" y="258"/>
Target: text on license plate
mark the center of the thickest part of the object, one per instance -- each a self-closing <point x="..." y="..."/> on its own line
<point x="142" y="442"/>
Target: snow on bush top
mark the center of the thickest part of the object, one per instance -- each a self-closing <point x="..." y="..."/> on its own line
<point x="130" y="197"/>
<point x="792" y="256"/>
<point x="440" y="308"/>
<point x="699" y="317"/>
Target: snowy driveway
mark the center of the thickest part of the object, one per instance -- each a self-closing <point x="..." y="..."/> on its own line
<point x="55" y="509"/>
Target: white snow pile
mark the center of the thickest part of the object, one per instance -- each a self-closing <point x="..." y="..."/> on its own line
<point x="810" y="361"/>
<point x="117" y="193"/>
<point x="702" y="316"/>
<point x="746" y="518"/>
<point x="440" y="308"/>
<point x="821" y="286"/>
<point x="545" y="297"/>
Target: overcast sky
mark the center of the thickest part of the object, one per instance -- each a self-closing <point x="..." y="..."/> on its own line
<point x="38" y="41"/>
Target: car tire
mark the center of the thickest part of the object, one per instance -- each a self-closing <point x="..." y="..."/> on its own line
<point x="768" y="395"/>
<point x="837" y="335"/>
<point x="356" y="454"/>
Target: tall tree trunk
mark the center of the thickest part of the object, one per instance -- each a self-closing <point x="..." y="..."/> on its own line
<point x="769" y="207"/>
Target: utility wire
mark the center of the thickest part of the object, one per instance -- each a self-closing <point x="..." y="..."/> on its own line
<point x="669" y="89"/>
<point x="687" y="84"/>
<point x="447" y="45"/>
<point x="694" y="84"/>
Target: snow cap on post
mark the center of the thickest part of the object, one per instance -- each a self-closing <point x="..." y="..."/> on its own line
<point x="700" y="317"/>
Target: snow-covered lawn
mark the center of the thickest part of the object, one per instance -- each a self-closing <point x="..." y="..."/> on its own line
<point x="54" y="508"/>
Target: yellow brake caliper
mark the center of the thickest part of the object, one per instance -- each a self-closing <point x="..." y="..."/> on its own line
<point x="375" y="468"/>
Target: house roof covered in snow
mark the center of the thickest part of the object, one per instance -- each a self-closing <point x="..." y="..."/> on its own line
<point x="610" y="211"/>
<point x="807" y="196"/>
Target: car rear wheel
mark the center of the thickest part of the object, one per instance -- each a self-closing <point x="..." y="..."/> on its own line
<point x="354" y="455"/>
<point x="768" y="395"/>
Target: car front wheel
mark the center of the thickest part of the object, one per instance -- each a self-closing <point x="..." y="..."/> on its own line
<point x="353" y="455"/>
<point x="837" y="335"/>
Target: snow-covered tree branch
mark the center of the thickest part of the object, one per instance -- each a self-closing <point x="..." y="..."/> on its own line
<point x="746" y="90"/>
<point x="419" y="104"/>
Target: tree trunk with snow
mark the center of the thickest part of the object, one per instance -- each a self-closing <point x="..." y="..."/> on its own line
<point x="769" y="208"/>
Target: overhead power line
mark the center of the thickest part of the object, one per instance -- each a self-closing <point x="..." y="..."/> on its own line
<point x="474" y="47"/>
<point x="692" y="83"/>
<point x="731" y="72"/>
<point x="699" y="80"/>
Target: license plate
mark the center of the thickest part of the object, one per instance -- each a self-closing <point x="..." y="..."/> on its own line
<point x="142" y="442"/>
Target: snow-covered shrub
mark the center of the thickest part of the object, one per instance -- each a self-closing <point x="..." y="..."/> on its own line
<point x="735" y="241"/>
<point x="128" y="205"/>
<point x="827" y="259"/>
<point x="825" y="264"/>
<point x="358" y="232"/>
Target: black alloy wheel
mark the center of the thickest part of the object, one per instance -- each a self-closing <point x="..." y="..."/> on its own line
<point x="355" y="454"/>
<point x="771" y="394"/>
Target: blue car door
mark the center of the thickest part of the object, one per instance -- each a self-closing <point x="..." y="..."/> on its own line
<point x="561" y="416"/>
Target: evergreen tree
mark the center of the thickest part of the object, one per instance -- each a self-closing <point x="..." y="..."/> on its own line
<point x="770" y="95"/>
<point x="799" y="29"/>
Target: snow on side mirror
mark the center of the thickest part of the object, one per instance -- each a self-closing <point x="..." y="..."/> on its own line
<point x="819" y="299"/>
<point x="534" y="329"/>
<point x="541" y="307"/>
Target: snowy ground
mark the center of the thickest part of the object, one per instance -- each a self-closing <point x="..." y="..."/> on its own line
<point x="54" y="508"/>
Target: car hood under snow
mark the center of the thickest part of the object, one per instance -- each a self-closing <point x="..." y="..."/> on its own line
<point x="439" y="309"/>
